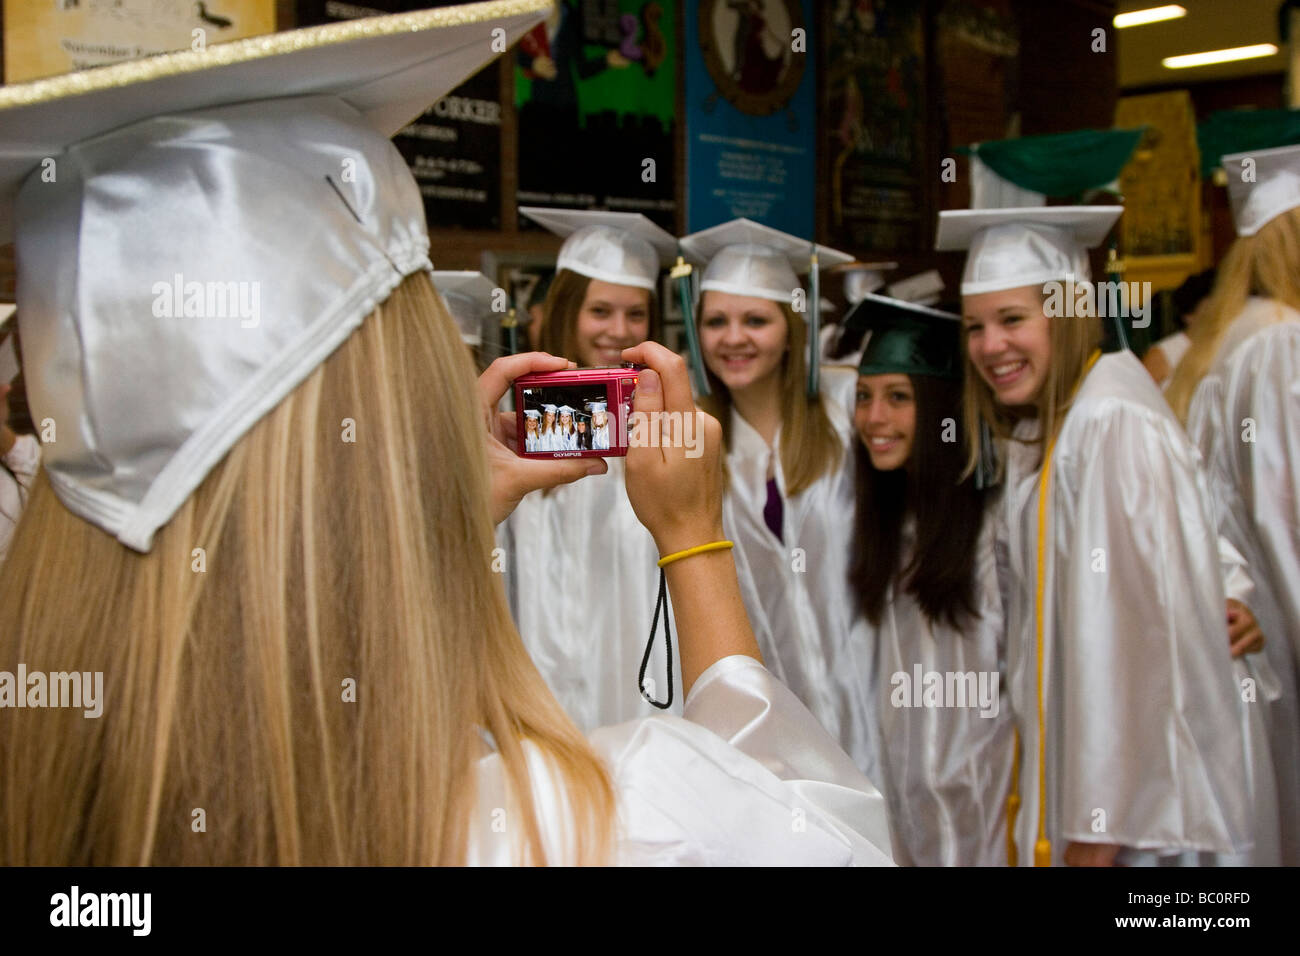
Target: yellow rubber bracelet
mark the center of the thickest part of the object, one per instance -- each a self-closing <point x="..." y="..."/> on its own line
<point x="698" y="549"/>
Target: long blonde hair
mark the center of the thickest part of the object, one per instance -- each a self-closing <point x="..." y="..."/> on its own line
<point x="1073" y="340"/>
<point x="810" y="446"/>
<point x="1265" y="264"/>
<point x="308" y="688"/>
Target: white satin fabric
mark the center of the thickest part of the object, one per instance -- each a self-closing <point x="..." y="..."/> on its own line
<point x="945" y="771"/>
<point x="1138" y="688"/>
<point x="147" y="394"/>
<point x="748" y="778"/>
<point x="1245" y="418"/>
<point x="797" y="593"/>
<point x="24" y="460"/>
<point x="582" y="581"/>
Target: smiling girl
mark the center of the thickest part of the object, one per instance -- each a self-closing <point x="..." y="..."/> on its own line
<point x="1118" y="672"/>
<point x="926" y="578"/>
<point x="601" y="302"/>
<point x="790" y="482"/>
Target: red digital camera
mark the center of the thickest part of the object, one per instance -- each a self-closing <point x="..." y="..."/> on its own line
<point x="578" y="413"/>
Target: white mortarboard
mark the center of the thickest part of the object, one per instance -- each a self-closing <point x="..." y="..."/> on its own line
<point x="596" y="407"/>
<point x="1031" y="245"/>
<point x="220" y="221"/>
<point x="625" y="248"/>
<point x="469" y="300"/>
<point x="747" y="258"/>
<point x="532" y="413"/>
<point x="1262" y="185"/>
<point x="863" y="278"/>
<point x="923" y="288"/>
<point x="565" y="410"/>
<point x="549" y="409"/>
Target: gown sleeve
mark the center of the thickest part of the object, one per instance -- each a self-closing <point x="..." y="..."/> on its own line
<point x="1264" y="389"/>
<point x="1139" y="601"/>
<point x="748" y="779"/>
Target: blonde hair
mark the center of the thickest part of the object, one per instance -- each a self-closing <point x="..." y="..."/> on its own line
<point x="324" y="563"/>
<point x="1072" y="339"/>
<point x="810" y="446"/>
<point x="1265" y="264"/>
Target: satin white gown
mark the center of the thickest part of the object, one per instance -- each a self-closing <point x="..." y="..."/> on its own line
<point x="747" y="778"/>
<point x="946" y="771"/>
<point x="1245" y="418"/>
<point x="797" y="591"/>
<point x="582" y="581"/>
<point x="1138" y="685"/>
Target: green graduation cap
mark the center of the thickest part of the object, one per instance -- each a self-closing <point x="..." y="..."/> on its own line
<point x="906" y="337"/>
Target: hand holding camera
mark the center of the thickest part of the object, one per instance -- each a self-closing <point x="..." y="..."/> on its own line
<point x="675" y="485"/>
<point x="514" y="475"/>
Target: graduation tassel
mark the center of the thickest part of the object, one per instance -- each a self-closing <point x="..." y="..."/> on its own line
<point x="1114" y="273"/>
<point x="510" y="322"/>
<point x="681" y="272"/>
<point x="814" y="328"/>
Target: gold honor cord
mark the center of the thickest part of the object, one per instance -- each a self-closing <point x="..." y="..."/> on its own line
<point x="1042" y="846"/>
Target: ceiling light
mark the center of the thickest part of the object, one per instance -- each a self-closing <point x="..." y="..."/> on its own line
<point x="1136" y="18"/>
<point x="1218" y="56"/>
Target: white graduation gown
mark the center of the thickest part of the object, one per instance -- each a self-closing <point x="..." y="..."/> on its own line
<point x="747" y="778"/>
<point x="582" y="581"/>
<point x="797" y="592"/>
<point x="1138" y="684"/>
<point x="1245" y="418"/>
<point x="946" y="770"/>
<point x="600" y="438"/>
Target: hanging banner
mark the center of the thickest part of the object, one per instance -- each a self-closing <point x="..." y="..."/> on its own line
<point x="750" y="113"/>
<point x="454" y="148"/>
<point x="595" y="88"/>
<point x="59" y="36"/>
<point x="873" y="147"/>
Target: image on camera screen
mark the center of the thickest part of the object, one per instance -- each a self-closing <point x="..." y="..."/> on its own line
<point x="567" y="418"/>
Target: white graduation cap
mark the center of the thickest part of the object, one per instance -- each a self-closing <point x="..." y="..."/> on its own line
<point x="1262" y="185"/>
<point x="747" y="258"/>
<point x="218" y="223"/>
<point x="863" y="278"/>
<point x="596" y="407"/>
<point x="550" y="409"/>
<point x="469" y="300"/>
<point x="625" y="248"/>
<point x="566" y="410"/>
<point x="532" y="413"/>
<point x="1030" y="245"/>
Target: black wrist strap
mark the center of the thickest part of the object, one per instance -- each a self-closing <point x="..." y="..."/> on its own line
<point x="661" y="603"/>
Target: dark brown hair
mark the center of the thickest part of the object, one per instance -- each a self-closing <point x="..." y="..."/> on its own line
<point x="948" y="510"/>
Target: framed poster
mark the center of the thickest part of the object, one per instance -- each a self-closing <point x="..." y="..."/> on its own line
<point x="595" y="88"/>
<point x="750" y="113"/>
<point x="873" y="147"/>
<point x="454" y="147"/>
<point x="48" y="37"/>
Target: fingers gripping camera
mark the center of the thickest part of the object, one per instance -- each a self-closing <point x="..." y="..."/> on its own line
<point x="587" y="413"/>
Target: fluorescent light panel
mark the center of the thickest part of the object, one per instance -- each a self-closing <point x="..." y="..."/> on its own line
<point x="1136" y="18"/>
<point x="1218" y="56"/>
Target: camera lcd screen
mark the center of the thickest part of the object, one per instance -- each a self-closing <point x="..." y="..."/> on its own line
<point x="573" y="417"/>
